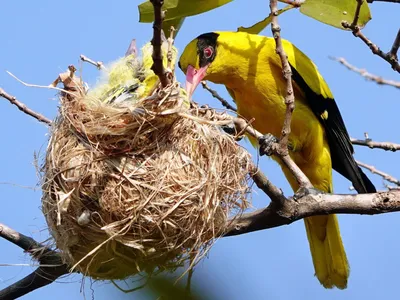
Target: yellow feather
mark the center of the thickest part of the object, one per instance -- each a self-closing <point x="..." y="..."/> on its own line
<point x="131" y="70"/>
<point x="251" y="71"/>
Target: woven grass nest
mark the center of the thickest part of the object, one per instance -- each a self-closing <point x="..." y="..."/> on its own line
<point x="143" y="186"/>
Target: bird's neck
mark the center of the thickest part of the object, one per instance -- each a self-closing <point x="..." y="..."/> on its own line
<point x="233" y="75"/>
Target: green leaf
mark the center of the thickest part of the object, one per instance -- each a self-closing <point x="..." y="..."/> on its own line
<point x="334" y="12"/>
<point x="259" y="26"/>
<point x="179" y="8"/>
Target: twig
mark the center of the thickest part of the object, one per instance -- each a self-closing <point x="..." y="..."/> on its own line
<point x="214" y="93"/>
<point x="287" y="74"/>
<point x="314" y="205"/>
<point x="51" y="267"/>
<point x="282" y="150"/>
<point x="98" y="64"/>
<point x="263" y="183"/>
<point x="396" y="46"/>
<point x="170" y="43"/>
<point x="374" y="170"/>
<point x="22" y="107"/>
<point x="357" y="13"/>
<point x="388" y="146"/>
<point x="25" y="242"/>
<point x="158" y="67"/>
<point x="366" y="74"/>
<point x="39" y="278"/>
<point x="374" y="48"/>
<point x="51" y="87"/>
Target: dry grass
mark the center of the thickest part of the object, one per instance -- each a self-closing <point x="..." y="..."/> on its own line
<point x="139" y="188"/>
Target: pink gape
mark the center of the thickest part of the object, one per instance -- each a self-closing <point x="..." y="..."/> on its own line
<point x="193" y="78"/>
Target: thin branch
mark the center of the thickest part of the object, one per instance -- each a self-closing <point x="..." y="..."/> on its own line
<point x="373" y="47"/>
<point x="282" y="149"/>
<point x="374" y="170"/>
<point x="287" y="74"/>
<point x="25" y="242"/>
<point x="39" y="278"/>
<point x="158" y="67"/>
<point x="22" y="107"/>
<point x="263" y="183"/>
<point x="388" y="146"/>
<point x="98" y="64"/>
<point x="214" y="93"/>
<point x="357" y="13"/>
<point x="313" y="205"/>
<point x="51" y="263"/>
<point x="51" y="86"/>
<point x="170" y="44"/>
<point x="366" y="74"/>
<point x="396" y="46"/>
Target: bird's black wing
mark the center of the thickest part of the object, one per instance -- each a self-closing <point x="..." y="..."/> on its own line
<point x="327" y="112"/>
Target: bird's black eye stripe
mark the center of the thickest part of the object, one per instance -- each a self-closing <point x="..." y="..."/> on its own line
<point x="207" y="41"/>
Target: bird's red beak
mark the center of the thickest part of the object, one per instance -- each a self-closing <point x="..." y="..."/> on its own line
<point x="193" y="78"/>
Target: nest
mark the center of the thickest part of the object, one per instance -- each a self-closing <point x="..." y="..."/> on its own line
<point x="143" y="187"/>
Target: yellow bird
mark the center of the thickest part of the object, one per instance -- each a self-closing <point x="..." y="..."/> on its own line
<point x="251" y="71"/>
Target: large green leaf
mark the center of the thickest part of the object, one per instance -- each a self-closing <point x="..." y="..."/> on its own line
<point x="179" y="8"/>
<point x="259" y="26"/>
<point x="334" y="12"/>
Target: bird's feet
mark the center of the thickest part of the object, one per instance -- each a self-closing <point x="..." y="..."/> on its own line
<point x="305" y="191"/>
<point x="267" y="143"/>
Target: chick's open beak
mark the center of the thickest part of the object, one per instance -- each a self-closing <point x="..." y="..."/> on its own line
<point x="193" y="78"/>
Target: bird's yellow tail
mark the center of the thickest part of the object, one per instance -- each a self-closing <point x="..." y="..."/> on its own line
<point x="328" y="254"/>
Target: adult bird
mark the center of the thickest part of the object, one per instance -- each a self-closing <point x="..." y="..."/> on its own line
<point x="251" y="71"/>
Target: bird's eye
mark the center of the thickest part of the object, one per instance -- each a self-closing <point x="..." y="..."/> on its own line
<point x="208" y="52"/>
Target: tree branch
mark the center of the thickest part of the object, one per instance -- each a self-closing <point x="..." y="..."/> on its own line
<point x="41" y="277"/>
<point x="156" y="42"/>
<point x="365" y="74"/>
<point x="396" y="46"/>
<point x="388" y="146"/>
<point x="374" y="170"/>
<point x="263" y="183"/>
<point x="287" y="74"/>
<point x="374" y="48"/>
<point x="170" y="44"/>
<point x="98" y="64"/>
<point x="22" y="107"/>
<point x="52" y="268"/>
<point x="313" y="205"/>
<point x="214" y="93"/>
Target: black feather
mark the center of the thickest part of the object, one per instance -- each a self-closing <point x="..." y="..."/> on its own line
<point x="338" y="138"/>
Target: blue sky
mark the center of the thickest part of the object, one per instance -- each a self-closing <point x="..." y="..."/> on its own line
<point x="39" y="39"/>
